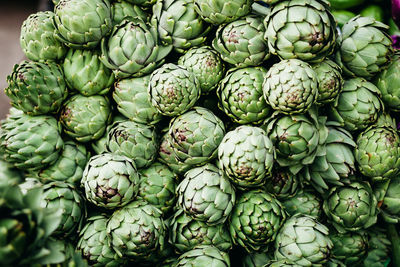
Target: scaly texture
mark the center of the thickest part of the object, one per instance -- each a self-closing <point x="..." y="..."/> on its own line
<point x="282" y="183"/>
<point x="122" y="9"/>
<point x="304" y="202"/>
<point x="330" y="81"/>
<point x="203" y="256"/>
<point x="350" y="247"/>
<point x="390" y="209"/>
<point x="379" y="249"/>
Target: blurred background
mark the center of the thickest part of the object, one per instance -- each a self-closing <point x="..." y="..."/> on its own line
<point x="12" y="14"/>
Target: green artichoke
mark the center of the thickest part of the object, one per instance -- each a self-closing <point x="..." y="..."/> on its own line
<point x="195" y="136"/>
<point x="186" y="233"/>
<point x="94" y="243"/>
<point x="206" y="195"/>
<point x="133" y="49"/>
<point x="121" y="9"/>
<point x="282" y="183"/>
<point x="256" y="259"/>
<point x="31" y="142"/>
<point x="220" y="11"/>
<point x="241" y="97"/>
<point x="65" y="197"/>
<point x="378" y="152"/>
<point x="291" y="86"/>
<point x="37" y="88"/>
<point x="137" y="231"/>
<point x="304" y="202"/>
<point x="364" y="48"/>
<point x="206" y="65"/>
<point x="302" y="29"/>
<point x="9" y="175"/>
<point x="173" y="90"/>
<point x="256" y="220"/>
<point x="85" y="73"/>
<point x="246" y="156"/>
<point x="303" y="240"/>
<point x="136" y="141"/>
<point x="85" y="118"/>
<point x="69" y="166"/>
<point x="358" y="105"/>
<point x="330" y="81"/>
<point x="390" y="208"/>
<point x="157" y="186"/>
<point x="82" y="23"/>
<point x="379" y="250"/>
<point x="351" y="207"/>
<point x="37" y="38"/>
<point x="110" y="181"/>
<point x="204" y="256"/>
<point x="385" y="119"/>
<point x="179" y="24"/>
<point x="142" y="3"/>
<point x="350" y="247"/>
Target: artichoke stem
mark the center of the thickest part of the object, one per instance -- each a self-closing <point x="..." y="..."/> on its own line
<point x="260" y="9"/>
<point x="394" y="237"/>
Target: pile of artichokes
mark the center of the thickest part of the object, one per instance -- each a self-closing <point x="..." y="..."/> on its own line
<point x="201" y="133"/>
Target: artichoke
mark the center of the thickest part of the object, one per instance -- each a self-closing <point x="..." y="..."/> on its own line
<point x="82" y="23"/>
<point x="9" y="175"/>
<point x="379" y="250"/>
<point x="351" y="207"/>
<point x="304" y="29"/>
<point x="291" y="86"/>
<point x="31" y="142"/>
<point x="94" y="243"/>
<point x="133" y="49"/>
<point x="37" y="88"/>
<point x="304" y="241"/>
<point x="173" y="90"/>
<point x="37" y="38"/>
<point x="330" y="81"/>
<point x="241" y="97"/>
<point x="304" y="202"/>
<point x="350" y="247"/>
<point x="85" y="118"/>
<point x="137" y="231"/>
<point x="256" y="220"/>
<point x="358" y="105"/>
<point x="142" y="3"/>
<point x="85" y="73"/>
<point x="136" y="141"/>
<point x="256" y="259"/>
<point x="378" y="152"/>
<point x="204" y="256"/>
<point x="65" y="197"/>
<point x="195" y="136"/>
<point x="206" y="65"/>
<point x="364" y="48"/>
<point x="120" y="10"/>
<point x="246" y="156"/>
<point x="282" y="183"/>
<point x="157" y="186"/>
<point x="206" y="195"/>
<point x="390" y="207"/>
<point x="220" y="11"/>
<point x="179" y="24"/>
<point x="186" y="233"/>
<point x="110" y="181"/>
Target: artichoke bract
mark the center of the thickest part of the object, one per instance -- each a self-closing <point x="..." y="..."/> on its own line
<point x="241" y="42"/>
<point x="85" y="118"/>
<point x="246" y="156"/>
<point x="302" y="29"/>
<point x="241" y="97"/>
<point x="123" y="9"/>
<point x="330" y="81"/>
<point x="85" y="73"/>
<point x="358" y="105"/>
<point x="157" y="186"/>
<point x="93" y="243"/>
<point x="378" y="152"/>
<point x="350" y="247"/>
<point x="304" y="202"/>
<point x="137" y="231"/>
<point x="206" y="65"/>
<point x="82" y="23"/>
<point x="142" y="3"/>
<point x="202" y="256"/>
<point x="390" y="208"/>
<point x="37" y="88"/>
<point x="351" y="207"/>
<point x="9" y="175"/>
<point x="206" y="195"/>
<point x="256" y="220"/>
<point x="110" y="181"/>
<point x="364" y="47"/>
<point x="179" y="24"/>
<point x="195" y="136"/>
<point x="135" y="141"/>
<point x="303" y="240"/>
<point x="37" y="38"/>
<point x="186" y="233"/>
<point x="133" y="49"/>
<point x="173" y="90"/>
<point x="291" y="86"/>
<point x="379" y="249"/>
<point x="282" y="183"/>
<point x="256" y="259"/>
<point x="31" y="142"/>
<point x="221" y="11"/>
